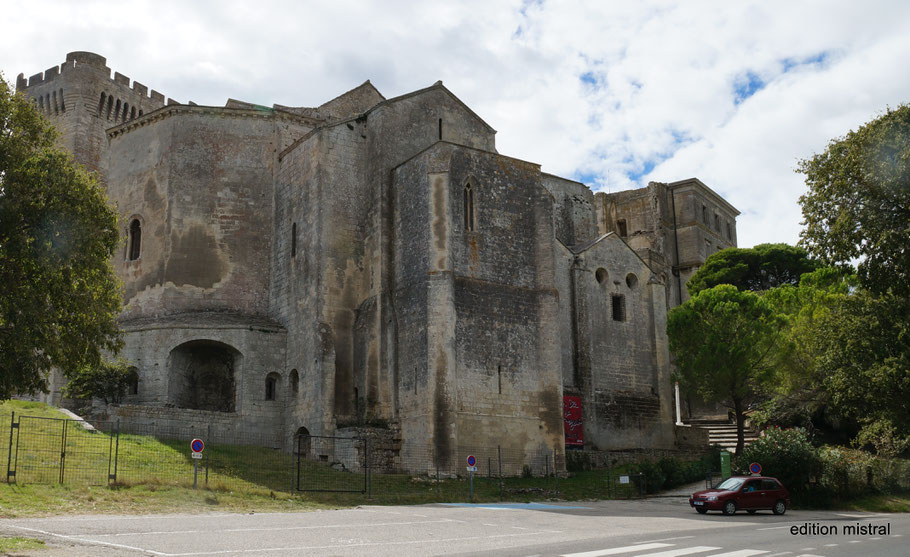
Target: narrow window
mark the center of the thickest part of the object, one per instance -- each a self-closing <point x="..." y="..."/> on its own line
<point x="133" y="113"/>
<point x="132" y="387"/>
<point x="135" y="239"/>
<point x="619" y="307"/>
<point x="117" y="110"/>
<point x="294" y="240"/>
<point x="295" y="381"/>
<point x="271" y="386"/>
<point x="41" y="103"/>
<point x="729" y="231"/>
<point x="48" y="107"/>
<point x="110" y="106"/>
<point x="499" y="377"/>
<point x="440" y="129"/>
<point x="62" y="104"/>
<point x="468" y="207"/>
<point x="716" y="222"/>
<point x="101" y="105"/>
<point x="126" y="111"/>
<point x="56" y="106"/>
<point x="140" y="112"/>
<point x="621" y="227"/>
<point x="704" y="214"/>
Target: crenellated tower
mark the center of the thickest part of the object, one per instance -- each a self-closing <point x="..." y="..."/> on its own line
<point x="82" y="100"/>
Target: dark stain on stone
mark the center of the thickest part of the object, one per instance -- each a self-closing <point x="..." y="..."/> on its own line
<point x="154" y="201"/>
<point x="551" y="411"/>
<point x="441" y="411"/>
<point x="439" y="214"/>
<point x="195" y="259"/>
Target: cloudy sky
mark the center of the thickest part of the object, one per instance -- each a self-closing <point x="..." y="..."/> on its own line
<point x="614" y="93"/>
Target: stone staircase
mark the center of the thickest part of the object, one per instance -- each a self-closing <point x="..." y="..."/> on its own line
<point x="721" y="432"/>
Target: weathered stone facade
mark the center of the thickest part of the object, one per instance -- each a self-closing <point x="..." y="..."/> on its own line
<point x="376" y="263"/>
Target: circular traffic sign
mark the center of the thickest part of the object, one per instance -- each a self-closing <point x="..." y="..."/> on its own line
<point x="471" y="460"/>
<point x="755" y="468"/>
<point x="197" y="445"/>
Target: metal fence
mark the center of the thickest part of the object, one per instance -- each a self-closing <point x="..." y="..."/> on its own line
<point x="49" y="450"/>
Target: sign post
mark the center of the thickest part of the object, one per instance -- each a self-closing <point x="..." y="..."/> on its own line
<point x="472" y="467"/>
<point x="196" y="445"/>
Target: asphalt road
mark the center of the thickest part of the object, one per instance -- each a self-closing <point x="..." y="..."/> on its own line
<point x="661" y="527"/>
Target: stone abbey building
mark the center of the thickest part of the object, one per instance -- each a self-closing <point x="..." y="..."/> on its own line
<point x="375" y="262"/>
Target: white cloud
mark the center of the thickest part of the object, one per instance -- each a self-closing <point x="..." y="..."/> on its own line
<point x="665" y="74"/>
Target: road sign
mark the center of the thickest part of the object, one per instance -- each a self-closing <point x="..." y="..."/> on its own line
<point x="197" y="445"/>
<point x="755" y="468"/>
<point x="472" y="468"/>
<point x="197" y="455"/>
<point x="471" y="460"/>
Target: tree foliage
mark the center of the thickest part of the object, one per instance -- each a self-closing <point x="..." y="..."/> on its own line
<point x="724" y="341"/>
<point x="60" y="298"/>
<point x="107" y="381"/>
<point x="858" y="203"/>
<point x="759" y="268"/>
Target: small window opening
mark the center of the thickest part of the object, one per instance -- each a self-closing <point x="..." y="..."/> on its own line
<point x="271" y="386"/>
<point x="729" y="231"/>
<point x="631" y="280"/>
<point x="295" y="382"/>
<point x="133" y="113"/>
<point x="48" y="103"/>
<point x="621" y="227"/>
<point x="601" y="275"/>
<point x="132" y="386"/>
<point x="56" y="106"/>
<point x="41" y="103"/>
<point x="101" y="104"/>
<point x="294" y="240"/>
<point x="117" y="110"/>
<point x="110" y="106"/>
<point x="704" y="214"/>
<point x="499" y="377"/>
<point x="140" y="112"/>
<point x="126" y="111"/>
<point x="440" y="129"/>
<point x="716" y="222"/>
<point x="135" y="239"/>
<point x="619" y="307"/>
<point x="468" y="207"/>
<point x="62" y="104"/>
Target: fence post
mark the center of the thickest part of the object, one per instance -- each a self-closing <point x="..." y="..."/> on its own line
<point x="113" y="454"/>
<point x="369" y="476"/>
<point x="556" y="470"/>
<point x="9" y="454"/>
<point x="436" y="459"/>
<point x="499" y="452"/>
<point x="208" y="439"/>
<point x="62" y="450"/>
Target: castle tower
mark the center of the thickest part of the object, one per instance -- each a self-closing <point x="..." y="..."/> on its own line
<point x="82" y="101"/>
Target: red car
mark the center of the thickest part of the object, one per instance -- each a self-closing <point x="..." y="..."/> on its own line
<point x="747" y="493"/>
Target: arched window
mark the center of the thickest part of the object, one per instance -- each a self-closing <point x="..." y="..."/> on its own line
<point x="62" y="104"/>
<point x="631" y="280"/>
<point x="132" y="386"/>
<point x="600" y="275"/>
<point x="468" y="207"/>
<point x="110" y="106"/>
<point x="295" y="382"/>
<point x="135" y="239"/>
<point x="101" y="104"/>
<point x="271" y="386"/>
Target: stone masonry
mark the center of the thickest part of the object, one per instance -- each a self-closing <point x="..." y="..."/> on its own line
<point x="375" y="264"/>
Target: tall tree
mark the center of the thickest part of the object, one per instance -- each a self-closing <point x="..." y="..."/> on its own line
<point x="759" y="268"/>
<point x="59" y="297"/>
<point x="725" y="342"/>
<point x="858" y="203"/>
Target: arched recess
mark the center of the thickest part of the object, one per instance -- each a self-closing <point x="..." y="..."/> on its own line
<point x="132" y="387"/>
<point x="294" y="381"/>
<point x="302" y="441"/>
<point x="271" y="386"/>
<point x="202" y="375"/>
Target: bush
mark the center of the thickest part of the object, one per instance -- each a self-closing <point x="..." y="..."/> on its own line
<point x="786" y="454"/>
<point x="845" y="472"/>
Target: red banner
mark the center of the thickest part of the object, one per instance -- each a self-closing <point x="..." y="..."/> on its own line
<point x="572" y="416"/>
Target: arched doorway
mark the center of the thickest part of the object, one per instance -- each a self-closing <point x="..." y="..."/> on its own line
<point x="202" y="376"/>
<point x="302" y="442"/>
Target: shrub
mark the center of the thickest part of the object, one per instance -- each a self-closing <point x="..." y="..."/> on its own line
<point x="786" y="454"/>
<point x="845" y="472"/>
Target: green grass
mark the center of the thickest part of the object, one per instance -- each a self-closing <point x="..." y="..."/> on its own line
<point x="880" y="503"/>
<point x="19" y="544"/>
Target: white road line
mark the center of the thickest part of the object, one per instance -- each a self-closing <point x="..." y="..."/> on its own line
<point x="680" y="551"/>
<point x="855" y="541"/>
<point x="670" y="539"/>
<point x="89" y="541"/>
<point x="773" y="528"/>
<point x="830" y="545"/>
<point x="493" y="525"/>
<point x="346" y="546"/>
<point x="781" y="554"/>
<point x="270" y="529"/>
<point x="809" y="555"/>
<point x="876" y="538"/>
<point x="740" y="553"/>
<point x="618" y="550"/>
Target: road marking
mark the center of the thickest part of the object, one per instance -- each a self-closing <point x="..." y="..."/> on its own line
<point x="680" y="551"/>
<point x="618" y="550"/>
<point x="808" y="555"/>
<point x="740" y="553"/>
<point x="670" y="539"/>
<point x="89" y="541"/>
<point x="781" y="554"/>
<point x="855" y="541"/>
<point x="830" y="545"/>
<point x="874" y="538"/>
<point x="773" y="528"/>
<point x="493" y="525"/>
<point x="273" y="528"/>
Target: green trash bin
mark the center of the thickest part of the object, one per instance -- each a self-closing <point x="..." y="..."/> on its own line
<point x="725" y="465"/>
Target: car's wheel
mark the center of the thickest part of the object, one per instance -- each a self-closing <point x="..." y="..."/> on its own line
<point x="701" y="510"/>
<point x="729" y="507"/>
<point x="779" y="508"/>
<point x="751" y="511"/>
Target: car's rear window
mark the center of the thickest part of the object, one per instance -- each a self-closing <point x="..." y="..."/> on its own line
<point x="731" y="484"/>
<point x="769" y="484"/>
